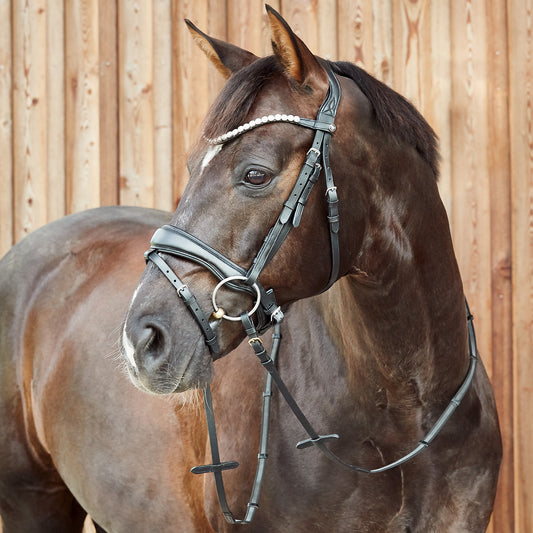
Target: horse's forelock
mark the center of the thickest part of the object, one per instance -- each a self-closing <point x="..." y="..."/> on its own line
<point x="234" y="102"/>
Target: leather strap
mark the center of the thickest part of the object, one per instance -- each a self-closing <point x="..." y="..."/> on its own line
<point x="217" y="467"/>
<point x="320" y="440"/>
<point x="189" y="300"/>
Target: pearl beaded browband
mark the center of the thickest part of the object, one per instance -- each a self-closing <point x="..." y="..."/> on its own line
<point x="292" y="119"/>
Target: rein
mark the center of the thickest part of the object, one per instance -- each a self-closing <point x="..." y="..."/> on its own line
<point x="177" y="242"/>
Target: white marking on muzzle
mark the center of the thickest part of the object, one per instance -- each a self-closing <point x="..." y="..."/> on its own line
<point x="129" y="350"/>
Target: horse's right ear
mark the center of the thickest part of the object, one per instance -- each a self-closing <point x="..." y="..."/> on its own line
<point x="226" y="57"/>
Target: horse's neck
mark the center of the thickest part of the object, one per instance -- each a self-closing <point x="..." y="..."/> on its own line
<point x="399" y="317"/>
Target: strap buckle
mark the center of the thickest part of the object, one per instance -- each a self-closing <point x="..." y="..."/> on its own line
<point x="255" y="339"/>
<point x="180" y="290"/>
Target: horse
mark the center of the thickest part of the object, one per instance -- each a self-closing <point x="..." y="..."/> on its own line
<point x="313" y="199"/>
<point x="73" y="430"/>
<point x="376" y="357"/>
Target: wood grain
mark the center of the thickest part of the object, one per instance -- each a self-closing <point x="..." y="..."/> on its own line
<point x="327" y="21"/>
<point x="501" y="252"/>
<point x="136" y="112"/>
<point x="55" y="100"/>
<point x="82" y="106"/>
<point x="470" y="167"/>
<point x="102" y="100"/>
<point x="29" y="116"/>
<point x="383" y="64"/>
<point x="355" y="32"/>
<point x="521" y="142"/>
<point x="162" y="102"/>
<point x="6" y="131"/>
<point x="108" y="101"/>
<point x="303" y="15"/>
<point x="189" y="84"/>
<point x="438" y="90"/>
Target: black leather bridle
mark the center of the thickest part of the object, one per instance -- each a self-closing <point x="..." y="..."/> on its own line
<point x="177" y="242"/>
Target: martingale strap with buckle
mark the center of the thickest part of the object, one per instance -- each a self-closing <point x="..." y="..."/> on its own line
<point x="315" y="439"/>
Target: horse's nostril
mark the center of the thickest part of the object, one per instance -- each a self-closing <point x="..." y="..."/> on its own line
<point x="151" y="347"/>
<point x="148" y="339"/>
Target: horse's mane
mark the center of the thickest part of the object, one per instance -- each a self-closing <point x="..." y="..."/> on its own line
<point x="393" y="113"/>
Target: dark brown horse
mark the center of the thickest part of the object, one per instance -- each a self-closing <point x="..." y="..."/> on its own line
<point x="376" y="358"/>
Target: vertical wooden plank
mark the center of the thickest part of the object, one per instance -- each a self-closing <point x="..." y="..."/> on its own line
<point x="217" y="23"/>
<point x="383" y="61"/>
<point x="136" y="127"/>
<point x="470" y="168"/>
<point x="245" y="24"/>
<point x="356" y="33"/>
<point x="82" y="105"/>
<point x="162" y="30"/>
<point x="29" y="115"/>
<point x="439" y="93"/>
<point x="501" y="253"/>
<point x="327" y="45"/>
<point x="55" y="79"/>
<point x="521" y="110"/>
<point x="422" y="71"/>
<point x="410" y="37"/>
<point x="6" y="125"/>
<point x="302" y="16"/>
<point x="108" y="101"/>
<point x="190" y="86"/>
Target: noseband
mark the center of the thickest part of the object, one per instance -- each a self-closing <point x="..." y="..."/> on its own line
<point x="177" y="242"/>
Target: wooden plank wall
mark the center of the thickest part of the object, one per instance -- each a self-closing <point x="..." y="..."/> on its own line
<point x="100" y="101"/>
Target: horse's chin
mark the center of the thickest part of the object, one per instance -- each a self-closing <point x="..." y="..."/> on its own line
<point x="194" y="371"/>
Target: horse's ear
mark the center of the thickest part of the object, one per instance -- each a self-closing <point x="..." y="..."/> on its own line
<point x="226" y="57"/>
<point x="297" y="59"/>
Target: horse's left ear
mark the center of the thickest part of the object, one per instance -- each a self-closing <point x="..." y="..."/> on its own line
<point x="298" y="61"/>
<point x="226" y="57"/>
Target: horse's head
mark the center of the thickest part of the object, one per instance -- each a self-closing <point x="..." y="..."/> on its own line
<point x="266" y="141"/>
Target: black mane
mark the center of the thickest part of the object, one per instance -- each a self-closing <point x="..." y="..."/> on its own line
<point x="393" y="113"/>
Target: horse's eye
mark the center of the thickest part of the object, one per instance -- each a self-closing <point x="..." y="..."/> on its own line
<point x="257" y="177"/>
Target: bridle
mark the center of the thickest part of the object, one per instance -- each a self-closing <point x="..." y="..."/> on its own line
<point x="177" y="242"/>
